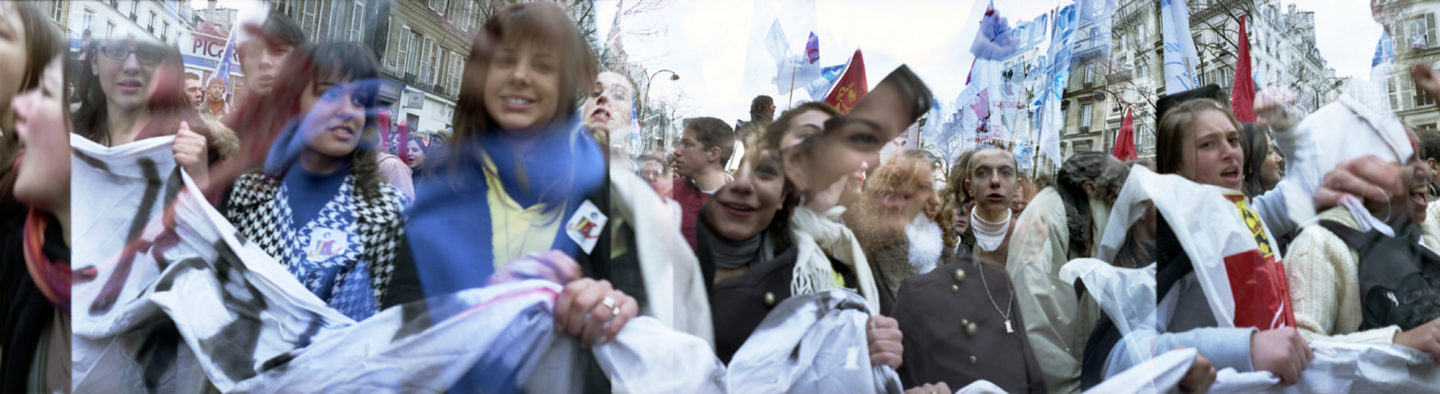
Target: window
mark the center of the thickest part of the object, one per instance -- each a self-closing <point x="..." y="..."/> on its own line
<point x="109" y="30"/>
<point x="456" y="71"/>
<point x="1420" y="31"/>
<point x="438" y="6"/>
<point x="165" y="32"/>
<point x="55" y="8"/>
<point x="1394" y="94"/>
<point x="427" y="62"/>
<point x="86" y="21"/>
<point x="322" y="23"/>
<point x="442" y="72"/>
<point x="307" y="15"/>
<point x="1089" y="73"/>
<point x="411" y="44"/>
<point x="150" y="23"/>
<point x="467" y="16"/>
<point x="392" y="43"/>
<point x="1422" y="99"/>
<point x="1085" y="111"/>
<point x="357" y="20"/>
<point x="406" y="55"/>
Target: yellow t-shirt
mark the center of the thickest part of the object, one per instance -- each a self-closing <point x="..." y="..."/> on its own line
<point x="516" y="231"/>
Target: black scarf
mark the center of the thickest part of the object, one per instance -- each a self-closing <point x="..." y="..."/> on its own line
<point x="716" y="252"/>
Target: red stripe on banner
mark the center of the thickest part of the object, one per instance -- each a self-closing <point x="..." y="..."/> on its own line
<point x="1262" y="296"/>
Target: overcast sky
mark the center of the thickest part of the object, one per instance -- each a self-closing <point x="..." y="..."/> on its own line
<point x="717" y="46"/>
<point x="710" y="43"/>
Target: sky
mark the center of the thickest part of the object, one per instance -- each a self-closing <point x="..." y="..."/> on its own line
<point x="1345" y="34"/>
<point x="709" y="44"/>
<point x="717" y="46"/>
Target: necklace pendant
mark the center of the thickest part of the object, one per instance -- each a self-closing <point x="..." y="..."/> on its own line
<point x="1008" y="330"/>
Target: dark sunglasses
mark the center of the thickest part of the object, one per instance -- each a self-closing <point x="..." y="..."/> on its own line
<point x="147" y="55"/>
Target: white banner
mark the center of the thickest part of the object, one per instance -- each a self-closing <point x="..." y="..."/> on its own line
<point x="170" y="299"/>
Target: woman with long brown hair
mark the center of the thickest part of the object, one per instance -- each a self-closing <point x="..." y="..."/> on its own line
<point x="34" y="204"/>
<point x="521" y="177"/>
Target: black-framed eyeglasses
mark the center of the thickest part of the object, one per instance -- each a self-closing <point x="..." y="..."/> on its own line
<point x="147" y="55"/>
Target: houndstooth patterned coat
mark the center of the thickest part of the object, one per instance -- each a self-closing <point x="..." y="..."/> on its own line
<point x="377" y="222"/>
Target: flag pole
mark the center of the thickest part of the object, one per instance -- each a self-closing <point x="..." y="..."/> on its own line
<point x="791" y="101"/>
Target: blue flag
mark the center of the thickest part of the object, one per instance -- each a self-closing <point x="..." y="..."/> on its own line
<point x="1384" y="51"/>
<point x="222" y="70"/>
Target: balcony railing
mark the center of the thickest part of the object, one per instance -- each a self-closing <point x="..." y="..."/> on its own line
<point x="1118" y="76"/>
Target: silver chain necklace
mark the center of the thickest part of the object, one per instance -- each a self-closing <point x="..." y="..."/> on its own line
<point x="1003" y="313"/>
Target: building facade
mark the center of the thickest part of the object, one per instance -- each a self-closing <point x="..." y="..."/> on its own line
<point x="1411" y="25"/>
<point x="1102" y="88"/>
<point x="422" y="46"/>
<point x="167" y="21"/>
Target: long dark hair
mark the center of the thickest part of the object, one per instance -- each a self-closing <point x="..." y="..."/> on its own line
<point x="42" y="42"/>
<point x="167" y="104"/>
<point x="305" y="68"/>
<point x="1105" y="175"/>
<point x="1255" y="142"/>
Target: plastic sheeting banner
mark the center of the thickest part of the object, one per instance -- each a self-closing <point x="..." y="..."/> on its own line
<point x="1195" y="212"/>
<point x="170" y="300"/>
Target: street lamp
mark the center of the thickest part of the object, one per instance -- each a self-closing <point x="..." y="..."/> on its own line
<point x="645" y="98"/>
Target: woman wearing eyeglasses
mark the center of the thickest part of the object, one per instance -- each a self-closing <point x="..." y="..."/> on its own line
<point x="132" y="90"/>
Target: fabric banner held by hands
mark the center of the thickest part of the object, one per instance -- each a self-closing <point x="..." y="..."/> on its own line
<point x="179" y="302"/>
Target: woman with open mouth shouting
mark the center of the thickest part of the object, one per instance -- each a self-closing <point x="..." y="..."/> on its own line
<point x="34" y="204"/>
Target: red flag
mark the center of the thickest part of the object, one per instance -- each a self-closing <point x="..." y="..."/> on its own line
<point x="850" y="87"/>
<point x="404" y="141"/>
<point x="1242" y="94"/>
<point x="1125" y="138"/>
<point x="383" y="124"/>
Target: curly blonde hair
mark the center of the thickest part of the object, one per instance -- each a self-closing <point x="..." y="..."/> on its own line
<point x="954" y="197"/>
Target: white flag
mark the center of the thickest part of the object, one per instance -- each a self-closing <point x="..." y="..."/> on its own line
<point x="1180" y="55"/>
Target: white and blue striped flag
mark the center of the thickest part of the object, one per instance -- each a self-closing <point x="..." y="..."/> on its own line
<point x="1180" y="55"/>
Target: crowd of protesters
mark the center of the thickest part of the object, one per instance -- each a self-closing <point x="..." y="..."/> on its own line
<point x="957" y="264"/>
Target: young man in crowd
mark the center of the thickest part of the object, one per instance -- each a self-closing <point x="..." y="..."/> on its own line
<point x="194" y="90"/>
<point x="262" y="56"/>
<point x="700" y="166"/>
<point x="214" y="103"/>
<point x="993" y="174"/>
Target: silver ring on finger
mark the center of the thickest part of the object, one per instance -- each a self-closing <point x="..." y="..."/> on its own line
<point x="614" y="306"/>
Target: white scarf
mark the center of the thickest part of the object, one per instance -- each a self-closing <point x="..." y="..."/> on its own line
<point x="926" y="243"/>
<point x="989" y="235"/>
<point x="667" y="265"/>
<point x="817" y="237"/>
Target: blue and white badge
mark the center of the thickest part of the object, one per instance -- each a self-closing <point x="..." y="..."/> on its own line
<point x="326" y="243"/>
<point x="585" y="226"/>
